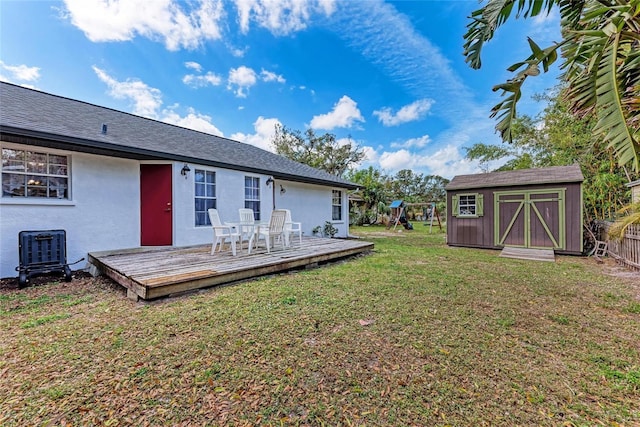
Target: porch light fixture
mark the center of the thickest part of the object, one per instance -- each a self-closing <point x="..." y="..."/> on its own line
<point x="185" y="170"/>
<point x="282" y="189"/>
<point x="269" y="181"/>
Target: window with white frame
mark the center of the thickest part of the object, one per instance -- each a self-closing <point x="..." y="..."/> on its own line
<point x="467" y="205"/>
<point x="35" y="174"/>
<point x="252" y="195"/>
<point x="205" y="195"/>
<point x="336" y="205"/>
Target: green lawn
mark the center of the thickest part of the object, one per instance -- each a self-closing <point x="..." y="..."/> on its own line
<point x="415" y="333"/>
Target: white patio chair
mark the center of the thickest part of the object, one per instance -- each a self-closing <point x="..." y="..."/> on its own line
<point x="274" y="230"/>
<point x="291" y="228"/>
<point x="222" y="232"/>
<point x="247" y="228"/>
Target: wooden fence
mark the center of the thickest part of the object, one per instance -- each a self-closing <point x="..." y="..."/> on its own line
<point x="627" y="250"/>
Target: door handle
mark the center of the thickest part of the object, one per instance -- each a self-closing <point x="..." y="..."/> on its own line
<point x="168" y="209"/>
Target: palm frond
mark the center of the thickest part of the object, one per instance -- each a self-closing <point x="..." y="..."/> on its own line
<point x="505" y="110"/>
<point x="611" y="118"/>
<point x="486" y="20"/>
<point x="631" y="216"/>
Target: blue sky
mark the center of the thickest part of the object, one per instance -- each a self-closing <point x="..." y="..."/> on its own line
<point x="389" y="75"/>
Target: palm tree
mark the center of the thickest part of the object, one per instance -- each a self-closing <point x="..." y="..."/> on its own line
<point x="600" y="53"/>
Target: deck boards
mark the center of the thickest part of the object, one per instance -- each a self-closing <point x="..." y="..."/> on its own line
<point x="155" y="272"/>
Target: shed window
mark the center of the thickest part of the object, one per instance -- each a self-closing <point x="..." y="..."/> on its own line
<point x="34" y="174"/>
<point x="252" y="195"/>
<point x="467" y="205"/>
<point x="205" y="182"/>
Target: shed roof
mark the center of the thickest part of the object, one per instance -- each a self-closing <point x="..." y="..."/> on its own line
<point x="31" y="116"/>
<point x="536" y="176"/>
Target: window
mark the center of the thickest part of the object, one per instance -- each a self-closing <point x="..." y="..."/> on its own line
<point x="252" y="195"/>
<point x="205" y="182"/>
<point x="336" y="205"/>
<point x="467" y="205"/>
<point x="34" y="174"/>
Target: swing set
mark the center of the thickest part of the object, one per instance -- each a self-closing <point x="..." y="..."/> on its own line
<point x="398" y="214"/>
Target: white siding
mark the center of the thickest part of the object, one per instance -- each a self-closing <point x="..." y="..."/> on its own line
<point x="104" y="212"/>
<point x="311" y="205"/>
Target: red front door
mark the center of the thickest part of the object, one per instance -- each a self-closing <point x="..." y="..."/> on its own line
<point x="155" y="205"/>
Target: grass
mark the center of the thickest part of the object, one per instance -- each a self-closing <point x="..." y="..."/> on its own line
<point x="416" y="333"/>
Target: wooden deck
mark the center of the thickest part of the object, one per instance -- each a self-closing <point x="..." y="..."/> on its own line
<point x="150" y="273"/>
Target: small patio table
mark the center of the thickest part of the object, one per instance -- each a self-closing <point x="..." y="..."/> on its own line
<point x="255" y="228"/>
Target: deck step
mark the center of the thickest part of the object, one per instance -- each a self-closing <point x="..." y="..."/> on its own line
<point x="529" y="254"/>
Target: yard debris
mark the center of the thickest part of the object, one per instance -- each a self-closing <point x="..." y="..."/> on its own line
<point x="366" y="322"/>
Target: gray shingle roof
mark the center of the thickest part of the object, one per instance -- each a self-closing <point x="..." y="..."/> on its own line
<point x="549" y="175"/>
<point x="76" y="125"/>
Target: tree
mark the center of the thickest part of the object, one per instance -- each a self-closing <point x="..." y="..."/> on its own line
<point x="322" y="152"/>
<point x="601" y="63"/>
<point x="373" y="191"/>
<point x="558" y="138"/>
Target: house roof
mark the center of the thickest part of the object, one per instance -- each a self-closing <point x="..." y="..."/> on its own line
<point x="39" y="118"/>
<point x="549" y="175"/>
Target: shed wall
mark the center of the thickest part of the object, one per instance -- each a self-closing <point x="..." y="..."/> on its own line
<point x="479" y="232"/>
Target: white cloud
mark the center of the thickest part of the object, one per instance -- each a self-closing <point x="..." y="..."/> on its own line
<point x="344" y="115"/>
<point x="265" y="130"/>
<point x="403" y="54"/>
<point x="446" y="162"/>
<point x="237" y="52"/>
<point x="242" y="78"/>
<point x="19" y="73"/>
<point x="202" y="80"/>
<point x="269" y="76"/>
<point x="147" y="102"/>
<point x="192" y="120"/>
<point x="544" y="20"/>
<point x="396" y="160"/>
<point x="408" y="113"/>
<point x="193" y="66"/>
<point x="281" y="17"/>
<point x="166" y="20"/>
<point x="420" y="142"/>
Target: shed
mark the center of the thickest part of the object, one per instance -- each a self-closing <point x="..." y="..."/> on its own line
<point x="528" y="208"/>
<point x="635" y="191"/>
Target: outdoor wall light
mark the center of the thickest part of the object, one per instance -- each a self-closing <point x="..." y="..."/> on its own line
<point x="269" y="181"/>
<point x="185" y="170"/>
<point x="282" y="189"/>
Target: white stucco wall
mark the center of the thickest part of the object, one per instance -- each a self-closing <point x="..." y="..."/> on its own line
<point x="103" y="212"/>
<point x="229" y="195"/>
<point x="311" y="205"/>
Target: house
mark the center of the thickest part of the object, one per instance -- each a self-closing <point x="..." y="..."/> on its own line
<point x="114" y="180"/>
<point x="529" y="208"/>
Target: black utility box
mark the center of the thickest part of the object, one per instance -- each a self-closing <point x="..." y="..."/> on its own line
<point x="42" y="252"/>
